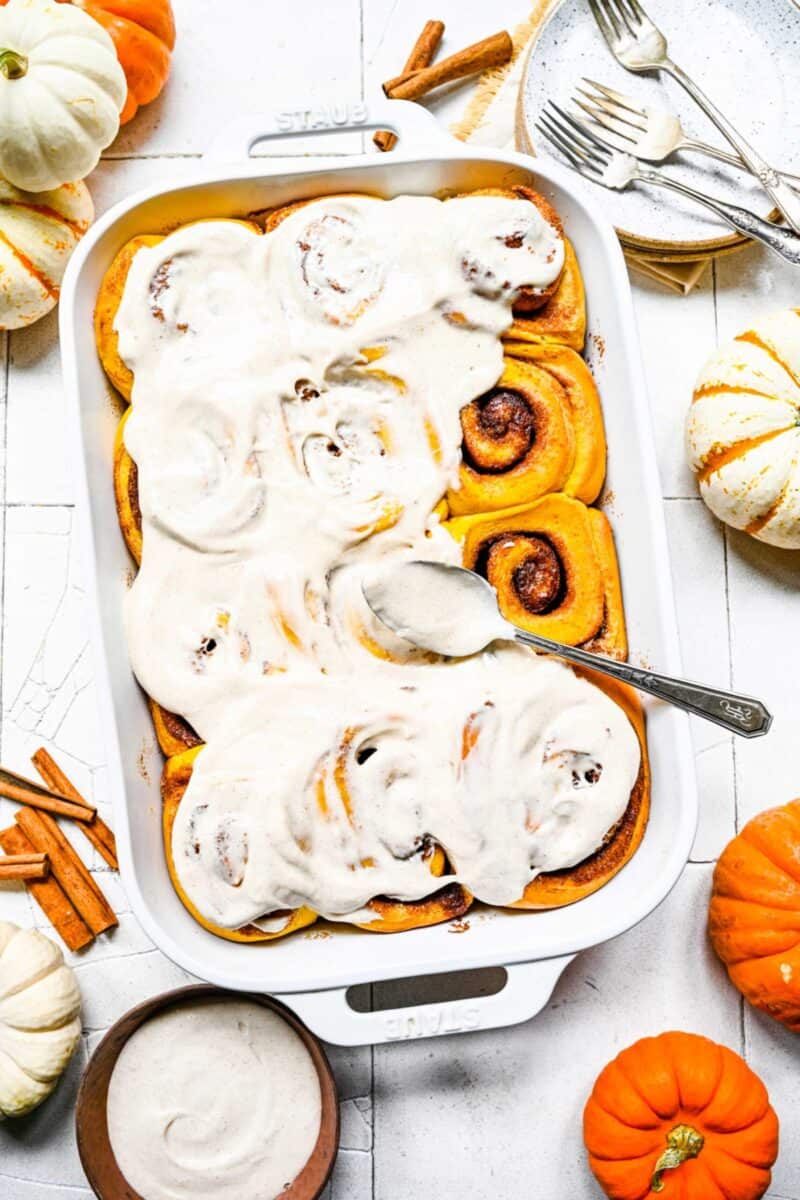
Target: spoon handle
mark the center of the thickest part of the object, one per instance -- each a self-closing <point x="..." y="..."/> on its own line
<point x="739" y="714"/>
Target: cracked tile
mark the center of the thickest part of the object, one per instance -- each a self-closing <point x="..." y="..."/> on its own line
<point x="47" y="690"/>
<point x="356" y="1118"/>
<point x="352" y="1177"/>
<point x="352" y="1066"/>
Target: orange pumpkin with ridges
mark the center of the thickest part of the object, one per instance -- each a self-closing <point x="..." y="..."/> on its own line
<point x="143" y="33"/>
<point x="681" y="1117"/>
<point x="754" y="915"/>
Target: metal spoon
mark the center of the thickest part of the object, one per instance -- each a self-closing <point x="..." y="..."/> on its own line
<point x="453" y="611"/>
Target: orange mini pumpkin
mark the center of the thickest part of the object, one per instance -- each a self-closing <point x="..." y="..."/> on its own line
<point x="754" y="915"/>
<point x="143" y="33"/>
<point x="681" y="1117"/>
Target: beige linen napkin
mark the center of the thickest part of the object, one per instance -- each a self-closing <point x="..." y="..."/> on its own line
<point x="490" y="119"/>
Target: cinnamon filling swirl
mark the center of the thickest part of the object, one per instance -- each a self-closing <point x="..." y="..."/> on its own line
<point x="498" y="430"/>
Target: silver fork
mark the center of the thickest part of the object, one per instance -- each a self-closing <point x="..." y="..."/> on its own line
<point x="639" y="46"/>
<point x="650" y="133"/>
<point x="612" y="168"/>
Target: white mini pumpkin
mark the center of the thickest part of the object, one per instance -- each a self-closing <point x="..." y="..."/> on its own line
<point x="61" y="91"/>
<point x="743" y="430"/>
<point x="40" y="1024"/>
<point x="38" y="232"/>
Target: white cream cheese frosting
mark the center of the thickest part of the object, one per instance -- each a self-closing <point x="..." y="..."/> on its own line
<point x="216" y="1100"/>
<point x="442" y="608"/>
<point x="295" y="421"/>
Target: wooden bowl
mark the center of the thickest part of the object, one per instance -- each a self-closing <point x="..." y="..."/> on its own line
<point x="94" y="1145"/>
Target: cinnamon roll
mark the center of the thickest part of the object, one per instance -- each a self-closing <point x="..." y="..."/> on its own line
<point x="582" y="402"/>
<point x="126" y="494"/>
<point x="539" y="430"/>
<point x="555" y="570"/>
<point x="554" y="889"/>
<point x="519" y="229"/>
<point x="370" y="763"/>
<point x="174" y="781"/>
<point x="108" y="301"/>
<point x="173" y="734"/>
<point x="561" y="321"/>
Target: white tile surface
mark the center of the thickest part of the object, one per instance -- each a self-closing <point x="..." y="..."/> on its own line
<point x="457" y="1117"/>
<point x="473" y="1109"/>
<point x="247" y="58"/>
<point x="699" y="572"/>
<point x="683" y="330"/>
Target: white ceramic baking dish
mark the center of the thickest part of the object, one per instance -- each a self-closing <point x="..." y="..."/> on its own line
<point x="312" y="973"/>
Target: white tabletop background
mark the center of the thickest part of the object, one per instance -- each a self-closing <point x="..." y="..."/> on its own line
<point x="467" y="1117"/>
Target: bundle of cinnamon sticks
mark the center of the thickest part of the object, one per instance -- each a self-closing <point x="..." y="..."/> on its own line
<point x="38" y="853"/>
<point x="421" y="75"/>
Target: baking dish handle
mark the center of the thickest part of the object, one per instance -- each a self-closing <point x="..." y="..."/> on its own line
<point x="411" y="122"/>
<point x="527" y="989"/>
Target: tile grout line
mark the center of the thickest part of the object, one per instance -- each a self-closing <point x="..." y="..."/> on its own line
<point x="742" y="1014"/>
<point x="730" y="671"/>
<point x="141" y="157"/>
<point x="40" y="504"/>
<point x="725" y="545"/>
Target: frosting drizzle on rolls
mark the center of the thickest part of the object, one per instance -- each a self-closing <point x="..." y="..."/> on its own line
<point x="295" y="421"/>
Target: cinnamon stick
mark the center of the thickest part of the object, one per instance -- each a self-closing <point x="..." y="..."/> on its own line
<point x="84" y="894"/>
<point x="98" y="833"/>
<point x="27" y="867"/>
<point x="50" y="896"/>
<point x="493" y="51"/>
<point x="35" y="799"/>
<point x="422" y="55"/>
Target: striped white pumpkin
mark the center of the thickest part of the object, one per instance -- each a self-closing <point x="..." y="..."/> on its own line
<point x="743" y="430"/>
<point x="38" y="232"/>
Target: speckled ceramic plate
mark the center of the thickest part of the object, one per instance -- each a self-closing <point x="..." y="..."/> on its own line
<point x="745" y="54"/>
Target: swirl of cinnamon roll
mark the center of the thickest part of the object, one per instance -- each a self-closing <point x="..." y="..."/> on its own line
<point x="498" y="430"/>
<point x="340" y="266"/>
<point x="555" y="569"/>
<point x="334" y="829"/>
<point x="520" y="255"/>
<point x="351" y="466"/>
<point x="538" y="431"/>
<point x="530" y="568"/>
<point x="178" y="296"/>
<point x="202" y="484"/>
<point x="566" y="797"/>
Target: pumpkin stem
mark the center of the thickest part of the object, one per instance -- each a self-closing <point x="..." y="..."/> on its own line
<point x="12" y="64"/>
<point x="682" y="1142"/>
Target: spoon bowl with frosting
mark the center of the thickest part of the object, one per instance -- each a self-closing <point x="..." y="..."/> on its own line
<point x="454" y="612"/>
